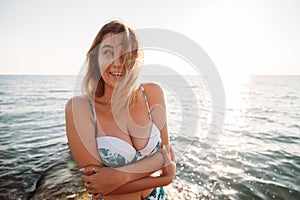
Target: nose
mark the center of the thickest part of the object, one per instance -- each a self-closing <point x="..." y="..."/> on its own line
<point x="117" y="63"/>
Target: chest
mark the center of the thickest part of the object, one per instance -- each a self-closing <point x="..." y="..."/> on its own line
<point x="132" y="126"/>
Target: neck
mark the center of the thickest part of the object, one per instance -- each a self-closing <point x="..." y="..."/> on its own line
<point x="106" y="98"/>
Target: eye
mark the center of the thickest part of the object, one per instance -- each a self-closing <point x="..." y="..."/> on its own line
<point x="108" y="52"/>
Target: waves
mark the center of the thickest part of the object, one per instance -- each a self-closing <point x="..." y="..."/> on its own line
<point x="255" y="157"/>
<point x="32" y="139"/>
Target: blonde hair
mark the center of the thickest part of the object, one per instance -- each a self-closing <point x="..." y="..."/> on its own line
<point x="125" y="92"/>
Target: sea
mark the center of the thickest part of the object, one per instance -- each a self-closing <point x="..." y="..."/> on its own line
<point x="254" y="155"/>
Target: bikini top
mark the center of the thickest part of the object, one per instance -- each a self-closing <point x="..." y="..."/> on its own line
<point x="115" y="152"/>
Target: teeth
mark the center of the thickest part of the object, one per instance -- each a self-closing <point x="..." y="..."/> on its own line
<point x="116" y="74"/>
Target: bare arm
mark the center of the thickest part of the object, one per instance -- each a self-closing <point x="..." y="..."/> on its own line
<point x="143" y="183"/>
<point x="151" y="182"/>
<point x="148" y="182"/>
<point x="122" y="175"/>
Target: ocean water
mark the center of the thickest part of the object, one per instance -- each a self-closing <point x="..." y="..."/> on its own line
<point x="255" y="157"/>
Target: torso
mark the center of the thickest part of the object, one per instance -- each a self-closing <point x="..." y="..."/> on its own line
<point x="133" y="127"/>
<point x="126" y="126"/>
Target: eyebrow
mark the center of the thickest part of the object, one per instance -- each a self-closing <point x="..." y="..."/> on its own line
<point x="111" y="46"/>
<point x="107" y="46"/>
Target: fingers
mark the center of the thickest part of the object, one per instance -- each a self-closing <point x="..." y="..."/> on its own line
<point x="89" y="170"/>
<point x="97" y="196"/>
<point x="89" y="188"/>
<point x="172" y="154"/>
<point x="169" y="155"/>
<point x="87" y="185"/>
<point x="86" y="178"/>
<point x="167" y="160"/>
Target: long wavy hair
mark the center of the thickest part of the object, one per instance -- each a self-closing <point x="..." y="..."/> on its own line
<point x="125" y="92"/>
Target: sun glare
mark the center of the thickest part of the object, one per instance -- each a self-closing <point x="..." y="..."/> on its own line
<point x="234" y="85"/>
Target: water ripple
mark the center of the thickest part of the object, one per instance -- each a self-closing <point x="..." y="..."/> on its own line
<point x="257" y="156"/>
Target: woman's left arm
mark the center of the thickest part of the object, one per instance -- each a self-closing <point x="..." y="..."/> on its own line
<point x="135" y="176"/>
<point x="151" y="182"/>
<point x="143" y="183"/>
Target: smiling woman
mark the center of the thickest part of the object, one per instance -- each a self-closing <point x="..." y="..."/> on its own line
<point x="117" y="130"/>
<point x="115" y="51"/>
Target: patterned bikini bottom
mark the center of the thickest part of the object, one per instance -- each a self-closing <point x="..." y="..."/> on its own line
<point x="156" y="194"/>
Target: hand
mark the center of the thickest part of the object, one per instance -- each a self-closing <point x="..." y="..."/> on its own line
<point x="169" y="171"/>
<point x="168" y="154"/>
<point x="102" y="180"/>
<point x="170" y="163"/>
<point x="171" y="153"/>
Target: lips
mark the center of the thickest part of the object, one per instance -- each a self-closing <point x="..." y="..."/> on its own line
<point x="117" y="74"/>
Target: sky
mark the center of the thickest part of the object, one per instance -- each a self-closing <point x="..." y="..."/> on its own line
<point x="255" y="37"/>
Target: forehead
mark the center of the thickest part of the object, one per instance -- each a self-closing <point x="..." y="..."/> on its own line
<point x="112" y="40"/>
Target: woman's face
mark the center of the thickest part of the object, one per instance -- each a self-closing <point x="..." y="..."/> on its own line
<point x="110" y="64"/>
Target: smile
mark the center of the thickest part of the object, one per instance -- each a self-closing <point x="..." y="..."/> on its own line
<point x="117" y="74"/>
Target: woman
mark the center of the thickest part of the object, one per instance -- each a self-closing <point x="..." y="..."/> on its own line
<point x="117" y="131"/>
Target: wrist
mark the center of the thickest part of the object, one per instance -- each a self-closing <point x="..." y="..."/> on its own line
<point x="122" y="177"/>
<point x="169" y="172"/>
<point x="166" y="179"/>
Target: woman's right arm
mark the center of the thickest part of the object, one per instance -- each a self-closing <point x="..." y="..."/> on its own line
<point x="80" y="133"/>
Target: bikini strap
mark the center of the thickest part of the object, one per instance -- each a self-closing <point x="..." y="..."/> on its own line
<point x="146" y="100"/>
<point x="94" y="115"/>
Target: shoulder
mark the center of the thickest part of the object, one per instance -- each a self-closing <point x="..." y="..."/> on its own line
<point x="154" y="92"/>
<point x="75" y="102"/>
<point x="153" y="89"/>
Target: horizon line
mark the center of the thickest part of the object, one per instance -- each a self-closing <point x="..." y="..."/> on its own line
<point x="12" y="74"/>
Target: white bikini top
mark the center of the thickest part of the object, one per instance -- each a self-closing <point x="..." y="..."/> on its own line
<point x="115" y="152"/>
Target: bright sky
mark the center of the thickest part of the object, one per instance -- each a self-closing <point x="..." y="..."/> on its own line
<point x="241" y="37"/>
